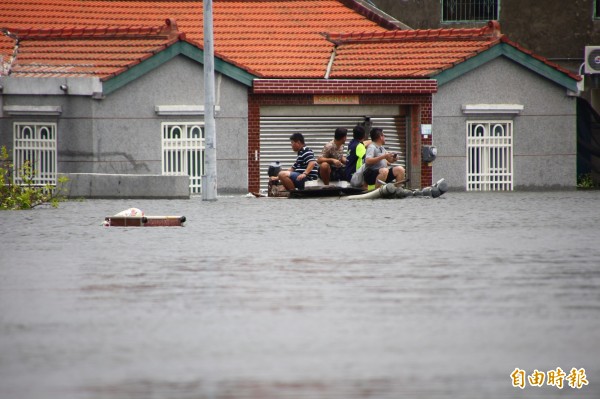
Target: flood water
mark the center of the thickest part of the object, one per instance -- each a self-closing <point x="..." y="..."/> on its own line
<point x="315" y="298"/>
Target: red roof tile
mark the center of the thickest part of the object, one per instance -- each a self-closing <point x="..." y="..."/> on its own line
<point x="97" y="51"/>
<point x="7" y="48"/>
<point x="270" y="38"/>
<point x="410" y="53"/>
<point x="415" y="53"/>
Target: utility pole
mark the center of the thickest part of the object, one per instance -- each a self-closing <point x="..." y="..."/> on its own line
<point x="209" y="179"/>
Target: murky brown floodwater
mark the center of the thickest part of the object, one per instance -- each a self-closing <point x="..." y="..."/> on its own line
<point x="270" y="298"/>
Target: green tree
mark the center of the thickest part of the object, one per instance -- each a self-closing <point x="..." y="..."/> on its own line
<point x="24" y="194"/>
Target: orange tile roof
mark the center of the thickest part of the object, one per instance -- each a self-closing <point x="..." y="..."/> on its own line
<point x="407" y="54"/>
<point x="7" y="47"/>
<point x="270" y="38"/>
<point x="76" y="52"/>
<point x="415" y="53"/>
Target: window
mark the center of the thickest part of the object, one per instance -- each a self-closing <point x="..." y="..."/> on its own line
<point x="35" y="145"/>
<point x="596" y="9"/>
<point x="489" y="156"/>
<point x="183" y="151"/>
<point x="469" y="10"/>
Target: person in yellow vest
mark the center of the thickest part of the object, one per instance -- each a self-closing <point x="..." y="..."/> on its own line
<point x="357" y="149"/>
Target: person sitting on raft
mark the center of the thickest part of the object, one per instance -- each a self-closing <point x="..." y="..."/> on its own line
<point x="304" y="169"/>
<point x="378" y="162"/>
<point x="332" y="159"/>
<point x="356" y="151"/>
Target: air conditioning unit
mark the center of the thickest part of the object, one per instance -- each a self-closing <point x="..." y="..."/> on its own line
<point x="592" y="59"/>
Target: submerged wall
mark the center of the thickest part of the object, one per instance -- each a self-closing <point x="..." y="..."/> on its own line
<point x="100" y="185"/>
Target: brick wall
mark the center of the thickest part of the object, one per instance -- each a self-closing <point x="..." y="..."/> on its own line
<point x="415" y="93"/>
<point x="344" y="86"/>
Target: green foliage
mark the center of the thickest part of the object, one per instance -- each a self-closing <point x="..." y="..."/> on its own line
<point x="21" y="192"/>
<point x="586" y="181"/>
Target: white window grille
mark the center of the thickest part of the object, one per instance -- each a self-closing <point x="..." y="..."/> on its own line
<point x="183" y="151"/>
<point x="35" y="145"/>
<point x="489" y="156"/>
<point x="469" y="10"/>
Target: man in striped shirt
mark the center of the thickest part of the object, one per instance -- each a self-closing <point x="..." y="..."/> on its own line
<point x="305" y="168"/>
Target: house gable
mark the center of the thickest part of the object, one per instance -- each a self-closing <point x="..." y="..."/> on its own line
<point x="95" y="60"/>
<point x="114" y="82"/>
<point x="443" y="54"/>
<point x="539" y="66"/>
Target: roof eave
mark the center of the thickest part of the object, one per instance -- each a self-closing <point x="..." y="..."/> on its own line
<point x="73" y="86"/>
<point x="374" y="14"/>
<point x="503" y="49"/>
<point x="116" y="81"/>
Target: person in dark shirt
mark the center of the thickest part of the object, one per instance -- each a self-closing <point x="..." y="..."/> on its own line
<point x="304" y="169"/>
<point x="356" y="151"/>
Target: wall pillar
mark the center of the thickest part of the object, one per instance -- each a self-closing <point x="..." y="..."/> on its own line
<point x="253" y="144"/>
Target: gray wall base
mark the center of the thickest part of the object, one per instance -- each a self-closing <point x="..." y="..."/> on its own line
<point x="99" y="185"/>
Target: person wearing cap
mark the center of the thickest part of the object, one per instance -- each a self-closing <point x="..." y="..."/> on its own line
<point x="304" y="169"/>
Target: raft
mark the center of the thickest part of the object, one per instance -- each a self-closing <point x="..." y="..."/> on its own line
<point x="134" y="217"/>
<point x="144" y="221"/>
<point x="325" y="191"/>
<point x="313" y="189"/>
<point x="389" y="190"/>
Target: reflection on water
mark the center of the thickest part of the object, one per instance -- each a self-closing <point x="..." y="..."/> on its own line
<point x="277" y="298"/>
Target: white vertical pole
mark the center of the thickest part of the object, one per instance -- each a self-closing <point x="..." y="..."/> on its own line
<point x="209" y="179"/>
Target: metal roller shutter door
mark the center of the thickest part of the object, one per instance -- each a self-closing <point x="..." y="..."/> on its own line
<point x="275" y="132"/>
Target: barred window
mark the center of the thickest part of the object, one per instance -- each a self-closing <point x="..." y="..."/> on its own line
<point x="35" y="151"/>
<point x="183" y="151"/>
<point x="469" y="10"/>
<point x="489" y="156"/>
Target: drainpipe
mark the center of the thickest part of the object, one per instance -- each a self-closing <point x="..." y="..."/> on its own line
<point x="330" y="64"/>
